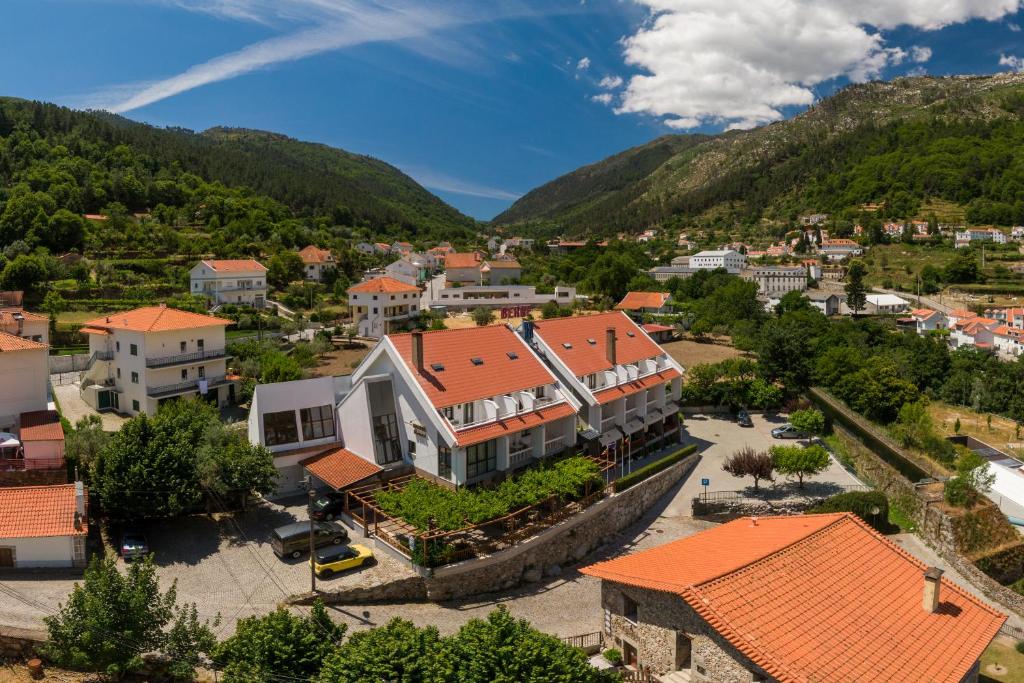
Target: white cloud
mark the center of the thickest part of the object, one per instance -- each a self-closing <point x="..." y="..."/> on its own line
<point x="611" y="82"/>
<point x="583" y="64"/>
<point x="442" y="182"/>
<point x="740" y="62"/>
<point x="603" y="98"/>
<point x="1012" y="62"/>
<point x="1013" y="27"/>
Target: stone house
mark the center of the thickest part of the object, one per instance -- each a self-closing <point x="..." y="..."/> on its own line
<point x="791" y="598"/>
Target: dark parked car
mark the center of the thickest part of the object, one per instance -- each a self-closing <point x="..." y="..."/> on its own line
<point x="326" y="506"/>
<point x="134" y="545"/>
<point x="743" y="419"/>
<point x="293" y="539"/>
<point x="788" y="431"/>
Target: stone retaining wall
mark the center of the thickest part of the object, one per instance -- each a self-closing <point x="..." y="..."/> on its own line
<point x="34" y="477"/>
<point x="19" y="643"/>
<point x="412" y="589"/>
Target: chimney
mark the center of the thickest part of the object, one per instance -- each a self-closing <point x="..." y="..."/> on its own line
<point x="932" y="581"/>
<point x="79" y="504"/>
<point x="417" y="350"/>
<point x="753" y="521"/>
<point x="609" y="337"/>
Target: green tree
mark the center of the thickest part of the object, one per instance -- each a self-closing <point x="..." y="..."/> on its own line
<point x="278" y="367"/>
<point x="747" y="462"/>
<point x="53" y="305"/>
<point x="280" y="644"/>
<point x="26" y="273"/>
<point x="483" y="316"/>
<point x="799" y="462"/>
<point x="398" y="651"/>
<point x="85" y="441"/>
<point x="66" y="231"/>
<point x="285" y="267"/>
<point x="856" y="290"/>
<point x="186" y="641"/>
<point x="810" y="421"/>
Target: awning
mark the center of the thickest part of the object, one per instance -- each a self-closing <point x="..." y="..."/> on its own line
<point x="8" y="440"/>
<point x="633" y="426"/>
<point x="610" y="438"/>
<point x="654" y="415"/>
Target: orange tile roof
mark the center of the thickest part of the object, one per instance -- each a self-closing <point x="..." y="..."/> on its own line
<point x="500" y="263"/>
<point x="33" y="511"/>
<point x="585" y="358"/>
<point x="630" y="388"/>
<point x="313" y="254"/>
<point x="634" y="301"/>
<point x="382" y="245"/>
<point x="339" y="468"/>
<point x="40" y="425"/>
<point x="461" y="380"/>
<point x="961" y="313"/>
<point x="154" y="319"/>
<point x="504" y="427"/>
<point x="10" y="342"/>
<point x="235" y="265"/>
<point x="462" y="260"/>
<point x="382" y="285"/>
<point x="7" y="316"/>
<point x="655" y="327"/>
<point x="93" y="330"/>
<point x="817" y="598"/>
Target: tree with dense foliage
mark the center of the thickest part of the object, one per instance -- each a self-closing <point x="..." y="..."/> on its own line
<point x="799" y="462"/>
<point x="973" y="478"/>
<point x="856" y="290"/>
<point x="870" y="506"/>
<point x="278" y="367"/>
<point x="281" y="644"/>
<point x="810" y="421"/>
<point x="285" y="267"/>
<point x="482" y="316"/>
<point x="748" y="462"/>
<point x="85" y="441"/>
<point x="111" y="619"/>
<point x="397" y="651"/>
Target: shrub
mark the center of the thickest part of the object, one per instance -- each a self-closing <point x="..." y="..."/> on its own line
<point x="613" y="656"/>
<point x="862" y="504"/>
<point x="649" y="470"/>
<point x="799" y="462"/>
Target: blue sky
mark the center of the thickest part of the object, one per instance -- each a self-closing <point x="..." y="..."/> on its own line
<point x="482" y="101"/>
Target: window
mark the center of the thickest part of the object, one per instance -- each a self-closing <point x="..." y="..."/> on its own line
<point x="202" y="372"/>
<point x="449" y="413"/>
<point x="467" y="413"/>
<point x="119" y="373"/>
<point x="317" y="422"/>
<point x="199" y="344"/>
<point x="385" y="433"/>
<point x="444" y="462"/>
<point x="279" y="428"/>
<point x="133" y="349"/>
<point x="184" y="374"/>
<point x="592" y="381"/>
<point x="538" y="392"/>
<point x="629" y="608"/>
<point x="481" y="458"/>
<point x="412" y="447"/>
<point x="135" y="378"/>
<point x="135" y="406"/>
<point x="181" y="347"/>
<point x="117" y="346"/>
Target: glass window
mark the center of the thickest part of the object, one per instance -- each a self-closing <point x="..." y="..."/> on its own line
<point x="317" y="422"/>
<point x="134" y="349"/>
<point x="592" y="381"/>
<point x="135" y="406"/>
<point x="449" y="413"/>
<point x="385" y="432"/>
<point x="135" y="378"/>
<point x="181" y="347"/>
<point x="412" y="447"/>
<point x="629" y="608"/>
<point x="444" y="462"/>
<point x="467" y="413"/>
<point x="279" y="428"/>
<point x="481" y="458"/>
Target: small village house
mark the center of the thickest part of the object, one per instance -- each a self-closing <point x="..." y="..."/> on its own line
<point x="237" y="281"/>
<point x="316" y="262"/>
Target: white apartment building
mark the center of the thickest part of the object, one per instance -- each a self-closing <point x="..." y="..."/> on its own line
<point x="964" y="238"/>
<point x="886" y="304"/>
<point x="839" y="249"/>
<point x="731" y="260"/>
<point x="315" y="262"/>
<point x="627" y="384"/>
<point x="776" y="281"/>
<point x="499" y="296"/>
<point x="408" y="270"/>
<point x="382" y="305"/>
<point x="238" y="281"/>
<point x="148" y="355"/>
<point x="24" y="376"/>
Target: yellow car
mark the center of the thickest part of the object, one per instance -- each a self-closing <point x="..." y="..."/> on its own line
<point x="332" y="559"/>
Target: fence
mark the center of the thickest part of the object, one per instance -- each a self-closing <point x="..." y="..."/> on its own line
<point x="588" y="642"/>
<point x="703" y="503"/>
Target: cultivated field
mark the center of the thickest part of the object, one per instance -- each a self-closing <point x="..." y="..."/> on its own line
<point x="1002" y="432"/>
<point x="689" y="353"/>
<point x="341" y="361"/>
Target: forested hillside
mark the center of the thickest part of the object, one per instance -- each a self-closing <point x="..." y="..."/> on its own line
<point x="235" y="188"/>
<point x="899" y="143"/>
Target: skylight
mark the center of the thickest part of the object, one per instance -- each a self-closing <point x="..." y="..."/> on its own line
<point x="630" y="333"/>
<point x="592" y="342"/>
<point x="437" y="367"/>
<point x="477" y="361"/>
<point x="567" y="345"/>
<point x="512" y="355"/>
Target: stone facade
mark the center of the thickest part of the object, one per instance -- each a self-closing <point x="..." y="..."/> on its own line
<point x="668" y="635"/>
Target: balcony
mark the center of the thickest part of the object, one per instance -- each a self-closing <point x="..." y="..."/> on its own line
<point x="182" y="387"/>
<point x="22" y="464"/>
<point x="184" y="358"/>
<point x="519" y="454"/>
<point x="553" y="446"/>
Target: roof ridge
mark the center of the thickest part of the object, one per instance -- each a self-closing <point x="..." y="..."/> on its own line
<point x="454" y="329"/>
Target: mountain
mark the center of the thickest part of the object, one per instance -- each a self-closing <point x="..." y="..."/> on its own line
<point x="906" y="143"/>
<point x="310" y="179"/>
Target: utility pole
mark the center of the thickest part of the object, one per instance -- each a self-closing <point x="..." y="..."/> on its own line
<point x="312" y="537"/>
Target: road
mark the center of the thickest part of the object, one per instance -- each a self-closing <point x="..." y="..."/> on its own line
<point x="925" y="301"/>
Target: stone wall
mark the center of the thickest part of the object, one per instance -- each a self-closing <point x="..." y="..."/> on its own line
<point x="19" y="643"/>
<point x="69" y="363"/>
<point x="565" y="543"/>
<point x="33" y="477"/>
<point x="411" y="589"/>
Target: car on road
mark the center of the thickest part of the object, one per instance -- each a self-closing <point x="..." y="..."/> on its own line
<point x="293" y="539"/>
<point x="743" y="419"/>
<point x="332" y="559"/>
<point x="326" y="506"/>
<point x="134" y="545"/>
<point x="788" y="431"/>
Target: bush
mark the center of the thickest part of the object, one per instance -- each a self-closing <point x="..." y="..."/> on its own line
<point x="862" y="504"/>
<point x="613" y="656"/>
<point x="647" y="471"/>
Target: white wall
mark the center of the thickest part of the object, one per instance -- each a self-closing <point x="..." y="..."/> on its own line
<point x="282" y="396"/>
<point x="46" y="551"/>
<point x="23" y="380"/>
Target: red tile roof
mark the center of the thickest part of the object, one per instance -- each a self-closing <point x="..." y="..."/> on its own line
<point x="339" y="468"/>
<point x="468" y="437"/>
<point x="10" y="342"/>
<point x="654" y="327"/>
<point x="630" y="388"/>
<point x="313" y="254"/>
<point x="817" y="598"/>
<point x="154" y="319"/>
<point x="93" y="330"/>
<point x="235" y="265"/>
<point x="634" y="301"/>
<point x="462" y="260"/>
<point x="7" y="316"/>
<point x="585" y="358"/>
<point x="34" y="511"/>
<point x="961" y="313"/>
<point x="40" y="425"/>
<point x="499" y="264"/>
<point x="382" y="285"/>
<point x="462" y="380"/>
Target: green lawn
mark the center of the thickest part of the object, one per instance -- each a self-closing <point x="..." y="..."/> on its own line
<point x="77" y="317"/>
<point x="1001" y="652"/>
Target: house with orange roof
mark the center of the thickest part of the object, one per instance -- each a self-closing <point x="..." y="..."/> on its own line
<point x="459" y="406"/>
<point x="626" y="384"/>
<point x="1008" y="342"/>
<point x="471" y="268"/>
<point x="839" y="249"/>
<point x="43" y="526"/>
<point x="142" y="357"/>
<point x="973" y="331"/>
<point x="14" y="319"/>
<point x="639" y="303"/>
<point x="316" y="261"/>
<point x="24" y="376"/>
<point x="230" y="281"/>
<point x="792" y="599"/>
<point x="383" y="305"/>
<point x="927" y="320"/>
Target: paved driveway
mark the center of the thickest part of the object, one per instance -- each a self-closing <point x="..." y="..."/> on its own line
<point x="74" y="408"/>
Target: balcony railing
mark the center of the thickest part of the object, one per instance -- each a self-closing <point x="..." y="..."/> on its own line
<point x="519" y="454"/>
<point x="181" y="387"/>
<point x="21" y="464"/>
<point x="178" y="359"/>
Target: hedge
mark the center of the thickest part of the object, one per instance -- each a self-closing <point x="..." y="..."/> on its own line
<point x="860" y="503"/>
<point x="637" y="476"/>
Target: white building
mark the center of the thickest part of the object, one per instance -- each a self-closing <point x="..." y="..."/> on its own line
<point x="315" y="262"/>
<point x="25" y="324"/>
<point x="499" y="296"/>
<point x="43" y="526"/>
<point x="1008" y="342"/>
<point x="152" y="354"/>
<point x="964" y="238"/>
<point x="1017" y="232"/>
<point x="886" y="304"/>
<point x="24" y="376"/>
<point x="839" y="249"/>
<point x="972" y="331"/>
<point x="239" y="281"/>
<point x="776" y="281"/>
<point x="382" y="305"/>
<point x="732" y="261"/>
<point x="927" y="320"/>
<point x="626" y="383"/>
<point x="666" y="273"/>
<point x="408" y="271"/>
<point x="828" y="303"/>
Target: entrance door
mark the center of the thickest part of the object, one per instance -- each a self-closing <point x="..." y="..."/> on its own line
<point x="629" y="654"/>
<point x="6" y="557"/>
<point x="103" y="400"/>
<point x="683" y="650"/>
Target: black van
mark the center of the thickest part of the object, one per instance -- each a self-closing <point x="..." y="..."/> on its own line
<point x="293" y="539"/>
